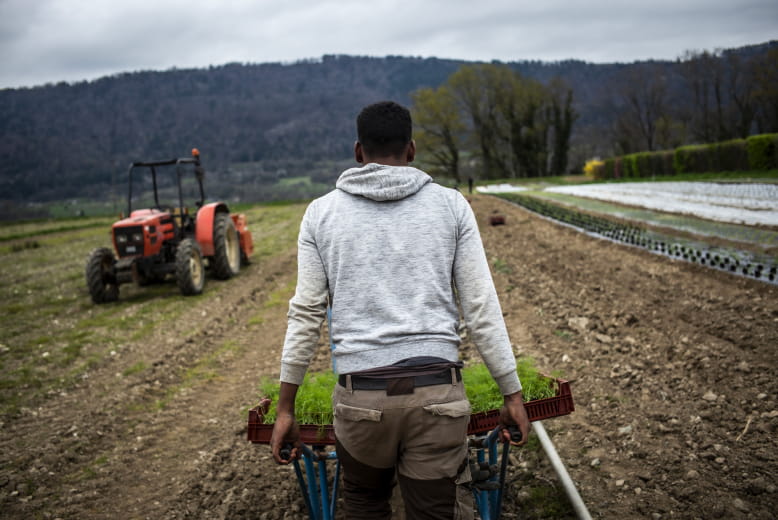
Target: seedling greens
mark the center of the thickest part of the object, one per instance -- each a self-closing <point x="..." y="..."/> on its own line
<point x="314" y="398"/>
<point x="313" y="404"/>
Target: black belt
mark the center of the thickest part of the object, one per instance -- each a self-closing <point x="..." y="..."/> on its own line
<point x="402" y="383"/>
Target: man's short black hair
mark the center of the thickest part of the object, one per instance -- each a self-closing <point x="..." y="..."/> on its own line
<point x="384" y="129"/>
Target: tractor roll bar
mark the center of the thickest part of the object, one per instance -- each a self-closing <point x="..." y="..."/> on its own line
<point x="199" y="174"/>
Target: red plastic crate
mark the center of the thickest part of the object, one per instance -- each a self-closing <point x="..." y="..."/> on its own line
<point x="482" y="422"/>
<point x="537" y="410"/>
<point x="260" y="432"/>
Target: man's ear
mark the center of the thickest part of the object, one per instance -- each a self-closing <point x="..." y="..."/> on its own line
<point x="411" y="155"/>
<point x="358" y="155"/>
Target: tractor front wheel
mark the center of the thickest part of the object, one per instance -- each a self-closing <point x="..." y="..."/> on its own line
<point x="190" y="274"/>
<point x="101" y="276"/>
<point x="226" y="245"/>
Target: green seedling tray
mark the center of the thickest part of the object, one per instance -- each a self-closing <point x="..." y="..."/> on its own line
<point x="259" y="432"/>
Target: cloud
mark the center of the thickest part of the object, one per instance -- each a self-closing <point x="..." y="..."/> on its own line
<point x="52" y="40"/>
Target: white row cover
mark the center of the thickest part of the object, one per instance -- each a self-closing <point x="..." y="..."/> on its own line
<point x="739" y="203"/>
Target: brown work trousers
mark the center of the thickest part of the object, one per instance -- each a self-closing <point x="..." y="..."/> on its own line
<point x="420" y="437"/>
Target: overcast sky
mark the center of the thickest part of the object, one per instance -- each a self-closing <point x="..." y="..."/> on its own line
<point x="54" y="40"/>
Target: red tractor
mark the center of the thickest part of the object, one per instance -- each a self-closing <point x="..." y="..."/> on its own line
<point x="166" y="240"/>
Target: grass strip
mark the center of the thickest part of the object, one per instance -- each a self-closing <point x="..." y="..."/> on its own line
<point x="91" y="224"/>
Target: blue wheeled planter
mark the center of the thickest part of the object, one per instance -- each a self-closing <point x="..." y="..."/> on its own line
<point x="319" y="499"/>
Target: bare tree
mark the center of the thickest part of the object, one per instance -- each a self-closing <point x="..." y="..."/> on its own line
<point x="517" y="126"/>
<point x="644" y="94"/>
<point x="563" y="117"/>
<point x="764" y="70"/>
<point x="439" y="127"/>
<point x="741" y="106"/>
<point x="701" y="72"/>
<point x="723" y="88"/>
<point x="479" y="91"/>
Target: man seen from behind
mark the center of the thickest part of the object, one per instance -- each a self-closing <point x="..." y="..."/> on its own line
<point x="392" y="254"/>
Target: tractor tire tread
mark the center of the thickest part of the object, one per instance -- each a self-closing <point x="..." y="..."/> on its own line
<point x="102" y="284"/>
<point x="225" y="264"/>
<point x="190" y="283"/>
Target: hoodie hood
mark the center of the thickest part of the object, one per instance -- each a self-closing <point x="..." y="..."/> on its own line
<point x="380" y="182"/>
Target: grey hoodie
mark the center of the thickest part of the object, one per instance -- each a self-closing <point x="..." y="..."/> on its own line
<point x="390" y="252"/>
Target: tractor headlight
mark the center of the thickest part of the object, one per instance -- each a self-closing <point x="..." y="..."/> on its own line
<point x="121" y="239"/>
<point x="137" y="237"/>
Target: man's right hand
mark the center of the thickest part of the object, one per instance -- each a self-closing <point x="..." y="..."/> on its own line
<point x="514" y="414"/>
<point x="286" y="432"/>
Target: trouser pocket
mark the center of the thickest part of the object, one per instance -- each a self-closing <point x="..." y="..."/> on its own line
<point x="361" y="428"/>
<point x="353" y="413"/>
<point x="450" y="409"/>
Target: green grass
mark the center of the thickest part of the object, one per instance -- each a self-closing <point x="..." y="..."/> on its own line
<point x="313" y="404"/>
<point x="548" y="502"/>
<point x="205" y="369"/>
<point x="258" y="319"/>
<point x="274" y="228"/>
<point x="90" y="471"/>
<point x="281" y="296"/>
<point x="31" y="229"/>
<point x="302" y="182"/>
<point x="501" y="266"/>
<point x="140" y="366"/>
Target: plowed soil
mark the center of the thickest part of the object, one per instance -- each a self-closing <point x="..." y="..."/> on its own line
<point x="673" y="366"/>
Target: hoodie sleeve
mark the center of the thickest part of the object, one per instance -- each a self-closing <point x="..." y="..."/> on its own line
<point x="480" y="306"/>
<point x="308" y="306"/>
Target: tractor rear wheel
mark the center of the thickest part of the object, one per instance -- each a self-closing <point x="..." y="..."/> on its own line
<point x="101" y="276"/>
<point x="226" y="245"/>
<point x="190" y="274"/>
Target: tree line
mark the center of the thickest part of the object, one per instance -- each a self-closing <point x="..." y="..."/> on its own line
<point x="727" y="95"/>
<point x="506" y="124"/>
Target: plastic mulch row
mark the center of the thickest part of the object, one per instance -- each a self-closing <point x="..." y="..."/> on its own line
<point x="561" y="404"/>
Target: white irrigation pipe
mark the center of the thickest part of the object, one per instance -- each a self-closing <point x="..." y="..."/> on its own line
<point x="559" y="467"/>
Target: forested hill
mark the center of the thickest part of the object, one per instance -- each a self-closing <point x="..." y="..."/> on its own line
<point x="76" y="140"/>
<point x="68" y="140"/>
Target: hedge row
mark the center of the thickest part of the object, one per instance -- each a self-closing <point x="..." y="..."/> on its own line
<point x="758" y="152"/>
